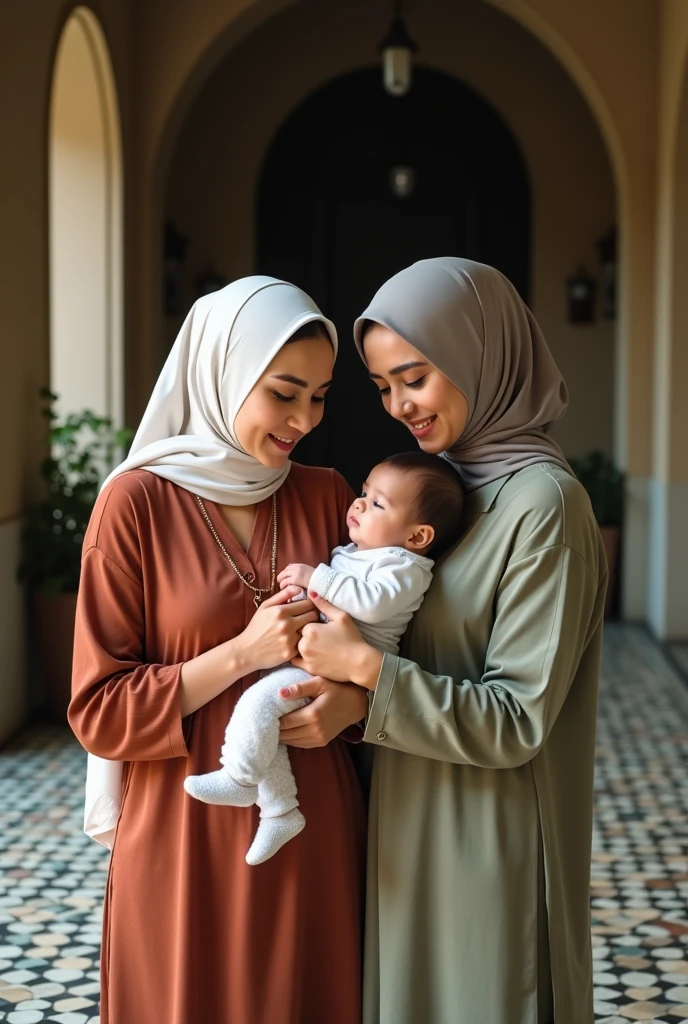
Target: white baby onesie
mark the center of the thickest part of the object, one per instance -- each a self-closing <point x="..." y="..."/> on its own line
<point x="381" y="589"/>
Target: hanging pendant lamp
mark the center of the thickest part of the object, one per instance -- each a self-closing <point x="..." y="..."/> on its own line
<point x="397" y="49"/>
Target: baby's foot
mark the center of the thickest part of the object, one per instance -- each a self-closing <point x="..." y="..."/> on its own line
<point x="220" y="788"/>
<point x="273" y="833"/>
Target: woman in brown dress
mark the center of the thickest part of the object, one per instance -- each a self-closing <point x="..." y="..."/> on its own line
<point x="175" y="619"/>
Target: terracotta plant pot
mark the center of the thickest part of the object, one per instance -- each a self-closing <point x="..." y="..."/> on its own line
<point x="54" y="637"/>
<point x="610" y="539"/>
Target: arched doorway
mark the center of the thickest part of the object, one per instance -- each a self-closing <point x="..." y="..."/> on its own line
<point x="85" y="181"/>
<point x="356" y="185"/>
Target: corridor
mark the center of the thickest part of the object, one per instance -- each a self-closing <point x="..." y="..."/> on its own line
<point x="52" y="877"/>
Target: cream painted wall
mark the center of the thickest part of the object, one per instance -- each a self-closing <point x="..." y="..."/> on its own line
<point x="216" y="165"/>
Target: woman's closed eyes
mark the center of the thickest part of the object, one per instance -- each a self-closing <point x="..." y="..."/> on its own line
<point x="417" y="383"/>
<point x="317" y="399"/>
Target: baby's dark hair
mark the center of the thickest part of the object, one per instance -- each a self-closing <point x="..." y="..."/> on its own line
<point x="313" y="329"/>
<point x="439" y="498"/>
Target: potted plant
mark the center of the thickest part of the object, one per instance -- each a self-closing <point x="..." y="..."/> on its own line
<point x="83" y="449"/>
<point x="605" y="486"/>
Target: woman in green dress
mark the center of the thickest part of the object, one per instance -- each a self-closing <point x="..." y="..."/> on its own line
<point x="484" y="728"/>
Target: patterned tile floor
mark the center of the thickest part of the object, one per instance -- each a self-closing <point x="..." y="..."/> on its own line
<point x="52" y="877"/>
<point x="679" y="652"/>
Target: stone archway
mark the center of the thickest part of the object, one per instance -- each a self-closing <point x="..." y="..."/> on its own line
<point x="181" y="64"/>
<point x="85" y="211"/>
<point x="215" y="169"/>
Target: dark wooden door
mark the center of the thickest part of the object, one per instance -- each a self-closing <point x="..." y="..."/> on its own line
<point x="330" y="221"/>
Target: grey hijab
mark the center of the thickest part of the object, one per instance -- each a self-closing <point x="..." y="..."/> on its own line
<point x="470" y="322"/>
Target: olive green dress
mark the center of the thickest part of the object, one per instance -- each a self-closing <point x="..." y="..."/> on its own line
<point x="481" y="803"/>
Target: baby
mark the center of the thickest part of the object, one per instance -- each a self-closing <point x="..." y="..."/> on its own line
<point x="410" y="508"/>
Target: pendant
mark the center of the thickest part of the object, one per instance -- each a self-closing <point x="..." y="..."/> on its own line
<point x="257" y="599"/>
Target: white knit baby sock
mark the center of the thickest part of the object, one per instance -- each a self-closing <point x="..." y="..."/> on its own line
<point x="280" y="817"/>
<point x="273" y="833"/>
<point x="220" y="788"/>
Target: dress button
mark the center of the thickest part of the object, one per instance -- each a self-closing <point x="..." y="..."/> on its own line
<point x="250" y="577"/>
<point x="382" y="735"/>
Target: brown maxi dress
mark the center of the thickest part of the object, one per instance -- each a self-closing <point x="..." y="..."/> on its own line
<point x="192" y="934"/>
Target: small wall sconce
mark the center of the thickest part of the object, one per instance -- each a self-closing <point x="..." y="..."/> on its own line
<point x="581" y="290"/>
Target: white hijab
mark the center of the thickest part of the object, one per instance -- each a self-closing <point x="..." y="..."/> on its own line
<point x="187" y="434"/>
<point x="225" y="345"/>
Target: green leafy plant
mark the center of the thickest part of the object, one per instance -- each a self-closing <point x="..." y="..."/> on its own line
<point x="604" y="484"/>
<point x="84" y="447"/>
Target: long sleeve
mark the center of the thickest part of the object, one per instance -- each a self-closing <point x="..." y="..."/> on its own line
<point x="543" y="611"/>
<point x="390" y="582"/>
<point x="122" y="708"/>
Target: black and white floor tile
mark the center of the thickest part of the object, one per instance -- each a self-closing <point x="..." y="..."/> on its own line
<point x="640" y="854"/>
<point x="51" y="885"/>
<point x="52" y="877"/>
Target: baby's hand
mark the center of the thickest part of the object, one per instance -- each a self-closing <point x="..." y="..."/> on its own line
<point x="295" y="574"/>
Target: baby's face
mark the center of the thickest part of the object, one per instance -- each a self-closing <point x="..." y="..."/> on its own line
<point x="383" y="515"/>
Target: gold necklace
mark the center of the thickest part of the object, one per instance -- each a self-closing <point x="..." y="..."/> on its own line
<point x="257" y="591"/>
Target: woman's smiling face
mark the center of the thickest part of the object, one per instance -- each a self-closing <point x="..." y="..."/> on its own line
<point x="414" y="391"/>
<point x="286" y="402"/>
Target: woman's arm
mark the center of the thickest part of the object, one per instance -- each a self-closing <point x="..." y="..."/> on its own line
<point x="121" y="708"/>
<point x="125" y="709"/>
<point x="547" y="607"/>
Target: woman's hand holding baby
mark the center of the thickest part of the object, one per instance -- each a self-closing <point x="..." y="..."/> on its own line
<point x="335" y="650"/>
<point x="334" y="653"/>
<point x="272" y="635"/>
<point x="296" y="574"/>
<point x="270" y="639"/>
<point x="333" y="708"/>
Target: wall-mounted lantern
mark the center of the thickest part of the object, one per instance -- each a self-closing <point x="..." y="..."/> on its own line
<point x="397" y="49"/>
<point x="581" y="290"/>
<point x="606" y="247"/>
